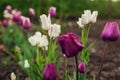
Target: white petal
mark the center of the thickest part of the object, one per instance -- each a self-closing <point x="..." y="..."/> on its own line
<point x="46" y="22"/>
<point x="85" y="19"/>
<point x="43" y="41"/>
<point x="32" y="40"/>
<point x="54" y="30"/>
<point x="38" y="34"/>
<point x="26" y="64"/>
<point x="79" y="22"/>
<point x="13" y="76"/>
<point x="93" y="17"/>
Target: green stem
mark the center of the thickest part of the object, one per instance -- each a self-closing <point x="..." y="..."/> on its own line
<point x="37" y="57"/>
<point x="76" y="60"/>
<point x="102" y="60"/>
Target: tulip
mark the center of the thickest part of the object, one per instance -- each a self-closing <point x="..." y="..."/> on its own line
<point x="26" y="23"/>
<point x="8" y="8"/>
<point x="13" y="76"/>
<point x="31" y="12"/>
<point x="7" y="15"/>
<point x="87" y="12"/>
<point x="14" y="11"/>
<point x="85" y="19"/>
<point x="26" y="64"/>
<point x="39" y="40"/>
<point x="5" y="23"/>
<point x="50" y="72"/>
<point x="111" y="32"/>
<point x="52" y="11"/>
<point x="54" y="31"/>
<point x="16" y="16"/>
<point x="93" y="17"/>
<point x="82" y="67"/>
<point x="46" y="22"/>
<point x="79" y="22"/>
<point x="70" y="44"/>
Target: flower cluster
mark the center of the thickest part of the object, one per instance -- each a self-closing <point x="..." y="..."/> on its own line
<point x="39" y="40"/>
<point x="45" y="62"/>
<point x="13" y="16"/>
<point x="87" y="18"/>
<point x="45" y="58"/>
<point x="53" y="29"/>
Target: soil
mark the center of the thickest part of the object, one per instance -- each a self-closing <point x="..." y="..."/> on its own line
<point x="111" y="67"/>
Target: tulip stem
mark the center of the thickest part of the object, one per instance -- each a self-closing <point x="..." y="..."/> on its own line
<point x="102" y="60"/>
<point x="76" y="60"/>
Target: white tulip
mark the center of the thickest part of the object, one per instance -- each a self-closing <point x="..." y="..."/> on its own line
<point x="79" y="22"/>
<point x="54" y="31"/>
<point x="7" y="14"/>
<point x="87" y="13"/>
<point x="26" y="64"/>
<point x="32" y="40"/>
<point x="85" y="19"/>
<point x="46" y="22"/>
<point x="43" y="41"/>
<point x="93" y="17"/>
<point x="13" y="76"/>
<point x="38" y="40"/>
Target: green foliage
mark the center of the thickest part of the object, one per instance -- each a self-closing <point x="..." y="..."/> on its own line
<point x="13" y="36"/>
<point x="65" y="8"/>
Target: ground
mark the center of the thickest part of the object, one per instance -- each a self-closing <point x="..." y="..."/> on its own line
<point x="111" y="68"/>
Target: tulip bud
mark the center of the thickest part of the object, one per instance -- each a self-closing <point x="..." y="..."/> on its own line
<point x="13" y="76"/>
<point x="8" y="8"/>
<point x="26" y="23"/>
<point x="16" y="16"/>
<point x="70" y="44"/>
<point x="26" y="64"/>
<point x="5" y="23"/>
<point x="52" y="11"/>
<point x="82" y="67"/>
<point x="50" y="72"/>
<point x="111" y="32"/>
<point x="31" y="12"/>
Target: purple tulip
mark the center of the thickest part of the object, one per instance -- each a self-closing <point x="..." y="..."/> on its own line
<point x="5" y="23"/>
<point x="26" y="22"/>
<point x="50" y="72"/>
<point x="111" y="32"/>
<point x="82" y="67"/>
<point x="16" y="16"/>
<point x="52" y="11"/>
<point x="8" y="8"/>
<point x="31" y="12"/>
<point x="70" y="44"/>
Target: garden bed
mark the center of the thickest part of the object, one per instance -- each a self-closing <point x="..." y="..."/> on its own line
<point x="111" y="68"/>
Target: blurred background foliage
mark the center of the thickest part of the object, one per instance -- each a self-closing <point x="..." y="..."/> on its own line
<point x="65" y="8"/>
